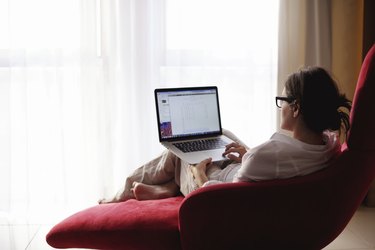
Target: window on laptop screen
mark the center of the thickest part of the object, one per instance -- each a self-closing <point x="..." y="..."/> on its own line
<point x="188" y="113"/>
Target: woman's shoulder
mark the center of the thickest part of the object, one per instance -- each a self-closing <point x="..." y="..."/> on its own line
<point x="276" y="140"/>
<point x="280" y="144"/>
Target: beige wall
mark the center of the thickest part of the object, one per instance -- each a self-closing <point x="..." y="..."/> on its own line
<point x="347" y="37"/>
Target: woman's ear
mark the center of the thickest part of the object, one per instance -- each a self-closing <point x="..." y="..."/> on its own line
<point x="296" y="109"/>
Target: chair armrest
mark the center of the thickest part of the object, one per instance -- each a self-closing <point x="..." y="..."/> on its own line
<point x="258" y="215"/>
<point x="214" y="217"/>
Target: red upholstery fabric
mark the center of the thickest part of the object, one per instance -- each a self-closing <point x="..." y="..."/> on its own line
<point x="134" y="224"/>
<point x="363" y="113"/>
<point x="299" y="213"/>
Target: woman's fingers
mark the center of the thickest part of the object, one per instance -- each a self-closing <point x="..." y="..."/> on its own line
<point x="234" y="152"/>
<point x="238" y="150"/>
<point x="235" y="158"/>
<point x="232" y="145"/>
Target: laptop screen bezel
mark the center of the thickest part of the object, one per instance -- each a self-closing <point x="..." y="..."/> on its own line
<point x="189" y="137"/>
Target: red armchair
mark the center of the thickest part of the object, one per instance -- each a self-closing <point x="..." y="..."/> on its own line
<point x="299" y="213"/>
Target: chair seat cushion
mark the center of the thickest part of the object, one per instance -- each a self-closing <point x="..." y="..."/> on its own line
<point x="135" y="224"/>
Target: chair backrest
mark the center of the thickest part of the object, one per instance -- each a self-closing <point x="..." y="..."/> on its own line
<point x="300" y="213"/>
<point x="362" y="117"/>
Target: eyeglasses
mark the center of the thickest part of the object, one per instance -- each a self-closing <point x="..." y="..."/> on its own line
<point x="281" y="99"/>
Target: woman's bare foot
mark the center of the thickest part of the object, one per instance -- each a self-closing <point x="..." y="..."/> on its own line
<point x="153" y="192"/>
<point x="119" y="197"/>
<point x="103" y="201"/>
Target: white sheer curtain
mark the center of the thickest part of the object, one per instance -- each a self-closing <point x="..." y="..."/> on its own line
<point x="231" y="44"/>
<point x="54" y="148"/>
<point x="76" y="87"/>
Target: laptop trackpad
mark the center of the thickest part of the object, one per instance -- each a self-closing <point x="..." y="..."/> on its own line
<point x="217" y="155"/>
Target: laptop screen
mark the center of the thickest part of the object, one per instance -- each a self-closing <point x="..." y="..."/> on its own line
<point x="187" y="112"/>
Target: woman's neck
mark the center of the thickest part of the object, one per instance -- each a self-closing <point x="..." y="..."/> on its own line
<point x="302" y="133"/>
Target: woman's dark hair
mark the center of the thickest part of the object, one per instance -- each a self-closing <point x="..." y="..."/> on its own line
<point x="319" y="98"/>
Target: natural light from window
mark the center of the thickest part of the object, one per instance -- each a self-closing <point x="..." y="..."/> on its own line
<point x="39" y="24"/>
<point x="220" y="24"/>
<point x="231" y="44"/>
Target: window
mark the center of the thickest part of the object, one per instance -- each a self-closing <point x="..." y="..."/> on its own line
<point x="231" y="44"/>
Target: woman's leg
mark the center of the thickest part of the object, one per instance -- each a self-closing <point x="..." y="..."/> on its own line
<point x="186" y="179"/>
<point x="157" y="172"/>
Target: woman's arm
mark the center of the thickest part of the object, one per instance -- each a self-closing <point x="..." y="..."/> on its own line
<point x="233" y="151"/>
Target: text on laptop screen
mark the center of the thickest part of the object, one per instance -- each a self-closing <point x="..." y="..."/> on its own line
<point x="188" y="113"/>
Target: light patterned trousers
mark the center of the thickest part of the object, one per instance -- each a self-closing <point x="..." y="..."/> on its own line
<point x="169" y="167"/>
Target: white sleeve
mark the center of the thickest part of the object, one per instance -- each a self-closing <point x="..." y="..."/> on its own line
<point x="258" y="164"/>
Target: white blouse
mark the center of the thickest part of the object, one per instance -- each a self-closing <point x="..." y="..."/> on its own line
<point x="280" y="157"/>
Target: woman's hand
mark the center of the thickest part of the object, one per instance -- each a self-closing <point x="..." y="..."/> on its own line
<point x="199" y="171"/>
<point x="234" y="152"/>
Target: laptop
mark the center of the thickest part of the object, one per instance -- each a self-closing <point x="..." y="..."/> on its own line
<point x="189" y="123"/>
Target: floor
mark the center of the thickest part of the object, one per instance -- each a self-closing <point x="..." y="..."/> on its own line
<point x="23" y="234"/>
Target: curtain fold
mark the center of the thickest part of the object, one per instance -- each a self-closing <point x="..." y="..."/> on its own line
<point x="132" y="52"/>
<point x="53" y="148"/>
<point x="304" y="36"/>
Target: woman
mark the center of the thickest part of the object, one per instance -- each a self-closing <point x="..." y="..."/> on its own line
<point x="310" y="109"/>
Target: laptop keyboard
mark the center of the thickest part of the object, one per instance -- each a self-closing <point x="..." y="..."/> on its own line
<point x="200" y="145"/>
